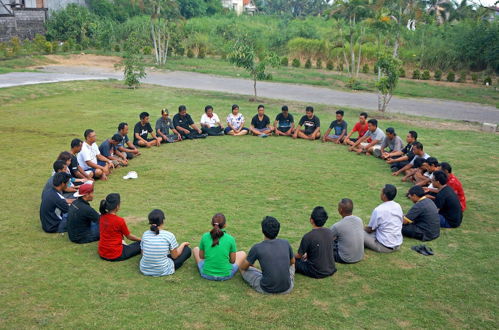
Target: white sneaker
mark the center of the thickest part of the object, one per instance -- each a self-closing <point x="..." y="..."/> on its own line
<point x="131" y="175"/>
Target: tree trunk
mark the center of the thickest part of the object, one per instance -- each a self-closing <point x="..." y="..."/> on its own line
<point x="396" y="46"/>
<point x="360" y="53"/>
<point x="254" y="85"/>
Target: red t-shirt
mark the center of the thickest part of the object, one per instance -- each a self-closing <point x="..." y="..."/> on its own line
<point x="362" y="129"/>
<point x="456" y="185"/>
<point x="112" y="230"/>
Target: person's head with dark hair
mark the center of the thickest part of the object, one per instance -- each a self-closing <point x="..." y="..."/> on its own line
<point x="122" y="126"/>
<point x="412" y="136"/>
<point x="116" y="139"/>
<point x="433" y="164"/>
<point x="261" y="110"/>
<point x="319" y="216"/>
<point x="415" y="193"/>
<point x="111" y="204"/>
<point x="65" y="156"/>
<point x="363" y="115"/>
<point x="61" y="180"/>
<point x="156" y="220"/>
<point x="270" y="227"/>
<point x="218" y="222"/>
<point x="345" y="207"/>
<point x="388" y="193"/>
<point x="59" y="166"/>
<point x="340" y="113"/>
<point x="208" y="107"/>
<point x="235" y="109"/>
<point x="164" y="113"/>
<point x="419" y="163"/>
<point x="417" y="148"/>
<point x="390" y="132"/>
<point x="439" y="179"/>
<point x="182" y="110"/>
<point x="284" y="108"/>
<point x="76" y="145"/>
<point x="309" y="110"/>
<point x="144" y="117"/>
<point x="446" y="168"/>
<point x="372" y="124"/>
<point x="88" y="135"/>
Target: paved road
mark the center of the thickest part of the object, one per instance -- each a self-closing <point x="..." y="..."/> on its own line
<point x="303" y="93"/>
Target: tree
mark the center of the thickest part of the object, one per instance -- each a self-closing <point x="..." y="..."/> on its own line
<point x="388" y="76"/>
<point x="245" y="54"/>
<point x="133" y="61"/>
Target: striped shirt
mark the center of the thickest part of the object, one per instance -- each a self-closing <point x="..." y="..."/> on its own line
<point x="155" y="251"/>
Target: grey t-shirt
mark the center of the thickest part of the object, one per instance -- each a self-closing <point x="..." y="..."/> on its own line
<point x="424" y="215"/>
<point x="377" y="135"/>
<point x="349" y="232"/>
<point x="164" y="126"/>
<point x="274" y="257"/>
<point x="394" y="144"/>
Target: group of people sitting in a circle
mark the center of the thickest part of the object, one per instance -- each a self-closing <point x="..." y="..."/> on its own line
<point x="437" y="196"/>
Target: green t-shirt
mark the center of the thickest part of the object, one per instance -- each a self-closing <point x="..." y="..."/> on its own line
<point x="216" y="259"/>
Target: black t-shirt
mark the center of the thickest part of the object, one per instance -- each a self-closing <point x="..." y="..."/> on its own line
<point x="80" y="216"/>
<point x="73" y="167"/>
<point x="142" y="130"/>
<point x="274" y="257"/>
<point x="424" y="215"/>
<point x="407" y="150"/>
<point x="260" y="124"/>
<point x="448" y="203"/>
<point x="318" y="245"/>
<point x="52" y="208"/>
<point x="184" y="122"/>
<point x="310" y="124"/>
<point x="284" y="122"/>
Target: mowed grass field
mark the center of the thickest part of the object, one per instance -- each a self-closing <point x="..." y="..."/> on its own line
<point x="48" y="281"/>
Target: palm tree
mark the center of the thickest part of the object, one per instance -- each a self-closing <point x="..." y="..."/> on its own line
<point x="441" y="9"/>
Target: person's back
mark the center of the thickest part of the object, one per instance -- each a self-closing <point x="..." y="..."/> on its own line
<point x="449" y="206"/>
<point x="274" y="257"/>
<point x="83" y="220"/>
<point x="423" y="220"/>
<point x="216" y="257"/>
<point x="349" y="233"/>
<point x="52" y="207"/>
<point x="388" y="218"/>
<point x="318" y="244"/>
<point x="155" y="251"/>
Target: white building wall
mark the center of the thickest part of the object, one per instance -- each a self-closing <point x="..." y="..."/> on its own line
<point x="236" y="5"/>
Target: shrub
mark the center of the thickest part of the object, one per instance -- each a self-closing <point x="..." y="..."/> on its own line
<point x="451" y="77"/>
<point x="190" y="53"/>
<point x="438" y="75"/>
<point x="201" y="53"/>
<point x="117" y="48"/>
<point x="330" y="65"/>
<point x="402" y="73"/>
<point x="365" y="68"/>
<point x="39" y="43"/>
<point x="284" y="61"/>
<point x="340" y="66"/>
<point x="416" y="74"/>
<point x="426" y="75"/>
<point x="78" y="47"/>
<point x="308" y="64"/>
<point x="147" y="50"/>
<point x="354" y="84"/>
<point x="487" y="79"/>
<point x="48" y="47"/>
<point x="474" y="77"/>
<point x="318" y="64"/>
<point x="296" y="63"/>
<point x="462" y="77"/>
<point x="55" y="46"/>
<point x="15" y="46"/>
<point x="180" y="51"/>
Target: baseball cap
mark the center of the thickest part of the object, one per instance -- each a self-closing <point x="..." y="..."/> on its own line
<point x="84" y="189"/>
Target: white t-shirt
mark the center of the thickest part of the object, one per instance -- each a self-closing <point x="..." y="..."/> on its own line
<point x="235" y="121"/>
<point x="425" y="156"/>
<point x="88" y="153"/>
<point x="387" y="220"/>
<point x="211" y="122"/>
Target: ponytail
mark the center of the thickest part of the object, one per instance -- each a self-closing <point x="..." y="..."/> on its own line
<point x="111" y="202"/>
<point x="218" y="222"/>
<point x="156" y="219"/>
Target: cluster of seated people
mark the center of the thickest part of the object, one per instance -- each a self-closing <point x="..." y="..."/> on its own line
<point x="437" y="196"/>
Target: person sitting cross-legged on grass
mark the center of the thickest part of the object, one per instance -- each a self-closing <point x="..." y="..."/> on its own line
<point x="453" y="182"/>
<point x="184" y="124"/>
<point x="340" y="129"/>
<point x="75" y="169"/>
<point x="83" y="220"/>
<point x="276" y="261"/>
<point x="60" y="166"/>
<point x="90" y="158"/>
<point x="216" y="256"/>
<point x="161" y="254"/>
<point x="126" y="146"/>
<point x="109" y="149"/>
<point x="260" y="124"/>
<point x="163" y="126"/>
<point x="141" y="131"/>
<point x="349" y="235"/>
<point x="210" y="123"/>
<point x="67" y="158"/>
<point x="284" y="123"/>
<point x="398" y="159"/>
<point x="315" y="257"/>
<point x="391" y="141"/>
<point x="417" y="149"/>
<point x="112" y="230"/>
<point x="447" y="202"/>
<point x="360" y="127"/>
<point x="384" y="231"/>
<point x="312" y="126"/>
<point x="235" y="123"/>
<point x="422" y="221"/>
<point x="54" y="207"/>
<point x="375" y="134"/>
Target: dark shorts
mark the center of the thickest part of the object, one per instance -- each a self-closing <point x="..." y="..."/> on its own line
<point x="129" y="251"/>
<point x="136" y="142"/>
<point x="228" y="129"/>
<point x="305" y="268"/>
<point x="284" y="129"/>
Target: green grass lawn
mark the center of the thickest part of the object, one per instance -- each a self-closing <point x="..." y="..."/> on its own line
<point x="50" y="282"/>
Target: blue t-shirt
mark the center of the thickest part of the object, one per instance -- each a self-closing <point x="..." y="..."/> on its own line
<point x="284" y="122"/>
<point x="338" y="127"/>
<point x="155" y="251"/>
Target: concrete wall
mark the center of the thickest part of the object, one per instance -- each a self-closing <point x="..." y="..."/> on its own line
<point x="54" y="5"/>
<point x="25" y="24"/>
